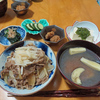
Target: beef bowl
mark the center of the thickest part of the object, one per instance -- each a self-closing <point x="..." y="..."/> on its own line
<point x="79" y="64"/>
<point x="27" y="67"/>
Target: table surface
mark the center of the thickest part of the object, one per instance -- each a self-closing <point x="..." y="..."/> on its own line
<point x="62" y="13"/>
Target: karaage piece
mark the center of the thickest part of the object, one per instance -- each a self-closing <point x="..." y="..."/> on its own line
<point x="53" y="29"/>
<point x="55" y="38"/>
<point x="49" y="35"/>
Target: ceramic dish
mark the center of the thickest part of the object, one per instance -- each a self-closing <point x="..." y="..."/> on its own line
<point x="48" y="51"/>
<point x="3" y="7"/>
<point x="59" y="31"/>
<point x="5" y="42"/>
<point x="20" y="12"/>
<point x="85" y="24"/>
<point x="68" y="63"/>
<point x="27" y="21"/>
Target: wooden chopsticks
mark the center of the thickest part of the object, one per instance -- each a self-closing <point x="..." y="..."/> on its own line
<point x="65" y="93"/>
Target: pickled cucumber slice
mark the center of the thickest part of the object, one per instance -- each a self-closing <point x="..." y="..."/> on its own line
<point x="29" y="27"/>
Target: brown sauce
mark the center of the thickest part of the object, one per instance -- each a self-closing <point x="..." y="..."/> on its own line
<point x="68" y="63"/>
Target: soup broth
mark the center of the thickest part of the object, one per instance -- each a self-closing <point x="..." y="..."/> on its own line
<point x="68" y="63"/>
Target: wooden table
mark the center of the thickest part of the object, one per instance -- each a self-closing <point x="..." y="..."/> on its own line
<point x="62" y="13"/>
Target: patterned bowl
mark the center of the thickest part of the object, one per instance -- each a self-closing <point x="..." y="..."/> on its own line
<point x="22" y="92"/>
<point x="5" y="42"/>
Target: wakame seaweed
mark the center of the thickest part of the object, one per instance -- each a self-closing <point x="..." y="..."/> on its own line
<point x="83" y="33"/>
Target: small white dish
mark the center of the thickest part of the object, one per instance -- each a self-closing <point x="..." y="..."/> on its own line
<point x="85" y="24"/>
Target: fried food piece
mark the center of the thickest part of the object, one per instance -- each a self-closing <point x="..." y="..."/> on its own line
<point x="55" y="38"/>
<point x="53" y="29"/>
<point x="49" y="35"/>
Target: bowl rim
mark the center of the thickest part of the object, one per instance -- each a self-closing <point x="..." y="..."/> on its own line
<point x="81" y="22"/>
<point x="47" y="80"/>
<point x="65" y="78"/>
<point x="20" y="2"/>
<point x="13" y="26"/>
<point x="51" y="41"/>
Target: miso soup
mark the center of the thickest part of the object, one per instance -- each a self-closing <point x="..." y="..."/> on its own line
<point x="68" y="63"/>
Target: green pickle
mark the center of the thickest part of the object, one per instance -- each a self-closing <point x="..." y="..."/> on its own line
<point x="83" y="33"/>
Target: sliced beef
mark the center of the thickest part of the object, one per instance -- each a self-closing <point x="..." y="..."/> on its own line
<point x="3" y="72"/>
<point x="41" y="81"/>
<point x="28" y="70"/>
<point x="10" y="63"/>
<point x="31" y="69"/>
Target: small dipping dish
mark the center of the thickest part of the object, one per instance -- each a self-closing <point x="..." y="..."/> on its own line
<point x="58" y="33"/>
<point x="20" y="8"/>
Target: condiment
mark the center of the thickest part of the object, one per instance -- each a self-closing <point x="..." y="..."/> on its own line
<point x="83" y="33"/>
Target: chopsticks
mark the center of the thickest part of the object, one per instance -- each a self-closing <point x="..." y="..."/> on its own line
<point x="65" y="93"/>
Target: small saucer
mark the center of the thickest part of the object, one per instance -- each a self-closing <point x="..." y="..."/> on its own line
<point x="27" y="21"/>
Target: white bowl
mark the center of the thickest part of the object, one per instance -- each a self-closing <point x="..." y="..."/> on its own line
<point x="86" y="24"/>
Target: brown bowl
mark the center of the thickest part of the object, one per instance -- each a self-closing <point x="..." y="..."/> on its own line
<point x="3" y="7"/>
<point x="20" y="12"/>
<point x="68" y="63"/>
